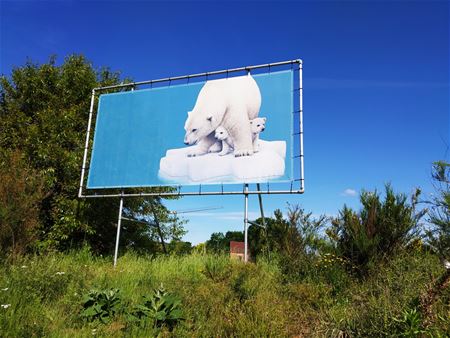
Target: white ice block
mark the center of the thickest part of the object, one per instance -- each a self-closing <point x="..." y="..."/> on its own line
<point x="268" y="163"/>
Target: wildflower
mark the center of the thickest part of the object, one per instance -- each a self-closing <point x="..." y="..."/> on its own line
<point x="60" y="273"/>
<point x="5" y="289"/>
<point x="5" y="306"/>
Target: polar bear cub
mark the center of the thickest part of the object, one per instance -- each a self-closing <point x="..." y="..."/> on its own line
<point x="256" y="126"/>
<point x="227" y="144"/>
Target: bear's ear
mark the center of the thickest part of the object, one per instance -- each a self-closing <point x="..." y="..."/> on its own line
<point x="209" y="118"/>
<point x="264" y="119"/>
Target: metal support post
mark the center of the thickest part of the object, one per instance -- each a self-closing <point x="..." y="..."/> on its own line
<point x="86" y="145"/>
<point x="261" y="207"/>
<point x="246" y="224"/>
<point x="116" y="251"/>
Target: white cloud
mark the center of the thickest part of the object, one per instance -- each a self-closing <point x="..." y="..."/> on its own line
<point x="349" y="192"/>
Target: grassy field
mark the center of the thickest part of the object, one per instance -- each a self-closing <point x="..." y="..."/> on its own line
<point x="44" y="296"/>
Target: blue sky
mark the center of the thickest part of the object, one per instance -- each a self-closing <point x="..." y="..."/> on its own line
<point x="376" y="79"/>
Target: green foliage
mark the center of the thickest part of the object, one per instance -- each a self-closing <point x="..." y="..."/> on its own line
<point x="295" y="240"/>
<point x="249" y="300"/>
<point x="439" y="216"/>
<point x="378" y="229"/>
<point x="180" y="247"/>
<point x="101" y="305"/>
<point x="410" y="324"/>
<point x="43" y="115"/>
<point x="20" y="194"/>
<point x="220" y="243"/>
<point x="217" y="268"/>
<point x="161" y="307"/>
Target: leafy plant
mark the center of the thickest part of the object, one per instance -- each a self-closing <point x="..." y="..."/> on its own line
<point x="162" y="307"/>
<point x="410" y="324"/>
<point x="101" y="305"/>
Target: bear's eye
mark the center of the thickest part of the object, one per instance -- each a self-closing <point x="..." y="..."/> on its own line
<point x="194" y="130"/>
<point x="221" y="132"/>
<point x="258" y="125"/>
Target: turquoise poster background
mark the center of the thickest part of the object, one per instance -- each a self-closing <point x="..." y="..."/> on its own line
<point x="134" y="129"/>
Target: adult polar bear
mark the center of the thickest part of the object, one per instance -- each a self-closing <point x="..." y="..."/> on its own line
<point x="231" y="103"/>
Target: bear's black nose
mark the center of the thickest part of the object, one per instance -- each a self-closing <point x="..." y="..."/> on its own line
<point x="263" y="129"/>
<point x="186" y="143"/>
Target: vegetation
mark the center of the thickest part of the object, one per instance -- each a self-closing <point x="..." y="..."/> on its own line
<point x="439" y="216"/>
<point x="212" y="296"/>
<point x="43" y="114"/>
<point x="374" y="272"/>
<point x="378" y="229"/>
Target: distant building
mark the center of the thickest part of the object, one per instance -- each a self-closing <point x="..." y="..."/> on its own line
<point x="237" y="250"/>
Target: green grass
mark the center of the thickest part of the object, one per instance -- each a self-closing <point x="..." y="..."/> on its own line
<point x="219" y="297"/>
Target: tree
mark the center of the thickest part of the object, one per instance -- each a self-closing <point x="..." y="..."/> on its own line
<point x="43" y="114"/>
<point x="220" y="243"/>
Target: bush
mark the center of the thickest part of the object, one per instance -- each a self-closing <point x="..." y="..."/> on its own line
<point x="378" y="229"/>
<point x="20" y="194"/>
<point x="439" y="216"/>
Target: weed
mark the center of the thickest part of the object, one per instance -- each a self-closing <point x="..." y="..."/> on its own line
<point x="410" y="324"/>
<point x="163" y="308"/>
<point x="101" y="305"/>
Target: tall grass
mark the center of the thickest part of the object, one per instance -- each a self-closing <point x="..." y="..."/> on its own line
<point x="219" y="297"/>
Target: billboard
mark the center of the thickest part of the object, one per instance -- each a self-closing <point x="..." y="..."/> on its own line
<point x="229" y="130"/>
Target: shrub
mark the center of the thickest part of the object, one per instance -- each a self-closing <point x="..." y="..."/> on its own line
<point x="439" y="216"/>
<point x="378" y="229"/>
<point x="20" y="194"/>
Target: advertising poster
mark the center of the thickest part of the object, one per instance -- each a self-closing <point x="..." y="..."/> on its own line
<point x="231" y="130"/>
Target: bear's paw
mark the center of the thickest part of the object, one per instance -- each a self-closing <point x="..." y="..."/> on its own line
<point x="243" y="152"/>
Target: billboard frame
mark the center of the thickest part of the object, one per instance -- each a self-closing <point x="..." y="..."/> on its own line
<point x="82" y="192"/>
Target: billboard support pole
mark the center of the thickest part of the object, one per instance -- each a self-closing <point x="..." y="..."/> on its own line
<point x="246" y="223"/>
<point x="119" y="221"/>
<point x="86" y="145"/>
<point x="261" y="209"/>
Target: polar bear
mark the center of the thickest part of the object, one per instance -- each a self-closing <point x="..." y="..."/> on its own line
<point x="231" y="103"/>
<point x="257" y="126"/>
<point x="227" y="144"/>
